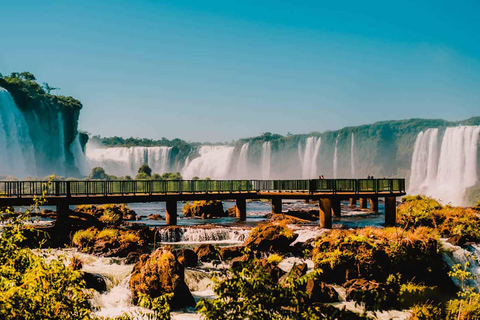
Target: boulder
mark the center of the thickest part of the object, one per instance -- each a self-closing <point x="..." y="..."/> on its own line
<point x="94" y="281"/>
<point x="240" y="262"/>
<point x="155" y="217"/>
<point x="204" y="209"/>
<point x="320" y="291"/>
<point x="297" y="271"/>
<point x="160" y="273"/>
<point x="188" y="258"/>
<point x="207" y="252"/>
<point x="228" y="253"/>
<point x="270" y="237"/>
<point x="275" y="272"/>
<point x="231" y="212"/>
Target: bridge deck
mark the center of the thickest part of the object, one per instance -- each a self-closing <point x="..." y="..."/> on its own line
<point x="328" y="192"/>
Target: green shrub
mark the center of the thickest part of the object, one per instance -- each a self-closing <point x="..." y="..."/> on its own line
<point x="426" y="311"/>
<point x="274" y="259"/>
<point x="84" y="239"/>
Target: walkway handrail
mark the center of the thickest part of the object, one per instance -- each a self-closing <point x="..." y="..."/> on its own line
<point x="151" y="187"/>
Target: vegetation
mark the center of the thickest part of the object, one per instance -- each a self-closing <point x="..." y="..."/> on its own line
<point x="93" y="240"/>
<point x="383" y="268"/>
<point x="33" y="288"/>
<point x="252" y="293"/>
<point x="459" y="224"/>
<point x="98" y="173"/>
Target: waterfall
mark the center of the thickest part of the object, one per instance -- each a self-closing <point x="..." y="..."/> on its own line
<point x="194" y="235"/>
<point x="79" y="157"/>
<point x="213" y="162"/>
<point x="126" y="161"/>
<point x="62" y="160"/>
<point x="352" y="156"/>
<point x="335" y="161"/>
<point x="310" y="157"/>
<point x="242" y="165"/>
<point x="16" y="146"/>
<point x="445" y="174"/>
<point x="266" y="159"/>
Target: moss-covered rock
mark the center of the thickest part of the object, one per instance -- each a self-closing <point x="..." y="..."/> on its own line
<point x="270" y="237"/>
<point x="204" y="209"/>
<point x="161" y="273"/>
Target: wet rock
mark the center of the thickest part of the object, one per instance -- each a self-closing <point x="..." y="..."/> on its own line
<point x="160" y="273"/>
<point x="188" y="258"/>
<point x="231" y="212"/>
<point x="320" y="291"/>
<point x="240" y="262"/>
<point x="270" y="237"/>
<point x="275" y="272"/>
<point x="297" y="271"/>
<point x="207" y="252"/>
<point x="155" y="217"/>
<point x="94" y="281"/>
<point x="204" y="209"/>
<point x="228" y="253"/>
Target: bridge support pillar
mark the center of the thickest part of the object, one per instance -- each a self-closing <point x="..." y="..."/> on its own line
<point x="373" y="204"/>
<point x="171" y="215"/>
<point x="325" y="206"/>
<point x="353" y="202"/>
<point x="241" y="210"/>
<point x="336" y="207"/>
<point x="390" y="211"/>
<point x="277" y="205"/>
<point x="363" y="202"/>
<point x="62" y="213"/>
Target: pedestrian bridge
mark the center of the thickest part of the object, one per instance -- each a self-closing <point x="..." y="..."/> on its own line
<point x="328" y="192"/>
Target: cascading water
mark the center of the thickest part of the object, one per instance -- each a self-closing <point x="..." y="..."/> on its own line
<point x="310" y="157"/>
<point x="195" y="235"/>
<point x="335" y="160"/>
<point x="352" y="156"/>
<point x="16" y="147"/>
<point x="213" y="162"/>
<point x="79" y="157"/>
<point x="266" y="159"/>
<point x="126" y="161"/>
<point x="242" y="165"/>
<point x="445" y="174"/>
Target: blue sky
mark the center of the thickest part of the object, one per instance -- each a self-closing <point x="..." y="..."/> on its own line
<point x="222" y="70"/>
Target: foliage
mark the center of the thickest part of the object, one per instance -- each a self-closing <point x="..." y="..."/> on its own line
<point x="274" y="259"/>
<point x="142" y="176"/>
<point x="144" y="168"/>
<point x="98" y="173"/>
<point x="426" y="311"/>
<point x="252" y="293"/>
<point x="460" y="224"/>
<point x="31" y="287"/>
<point x="159" y="305"/>
<point x="467" y="306"/>
<point x="172" y="176"/>
<point x="86" y="240"/>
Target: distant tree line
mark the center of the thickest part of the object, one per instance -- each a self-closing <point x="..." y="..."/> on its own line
<point x="144" y="173"/>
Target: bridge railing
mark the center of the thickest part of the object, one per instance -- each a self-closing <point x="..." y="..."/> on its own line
<point x="122" y="187"/>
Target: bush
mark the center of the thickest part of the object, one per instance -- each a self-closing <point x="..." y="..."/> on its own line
<point x="274" y="259"/>
<point x="426" y="311"/>
<point x="252" y="293"/>
<point x="84" y="239"/>
<point x="31" y="287"/>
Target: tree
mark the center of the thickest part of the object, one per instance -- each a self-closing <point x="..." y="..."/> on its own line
<point x="48" y="89"/>
<point x="145" y="169"/>
<point x="27" y="76"/>
<point x="142" y="176"/>
<point x="156" y="176"/>
<point x="98" y="173"/>
<point x="171" y="176"/>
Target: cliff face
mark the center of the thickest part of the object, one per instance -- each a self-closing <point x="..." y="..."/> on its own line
<point x="52" y="125"/>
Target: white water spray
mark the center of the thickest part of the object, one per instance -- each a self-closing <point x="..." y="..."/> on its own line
<point x="310" y="157"/>
<point x="352" y="156"/>
<point x="266" y="159"/>
<point x="126" y="161"/>
<point x="213" y="162"/>
<point x="16" y="147"/>
<point x="242" y="165"/>
<point x="445" y="174"/>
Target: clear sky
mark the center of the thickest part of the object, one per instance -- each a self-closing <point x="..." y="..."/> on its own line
<point x="222" y="70"/>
